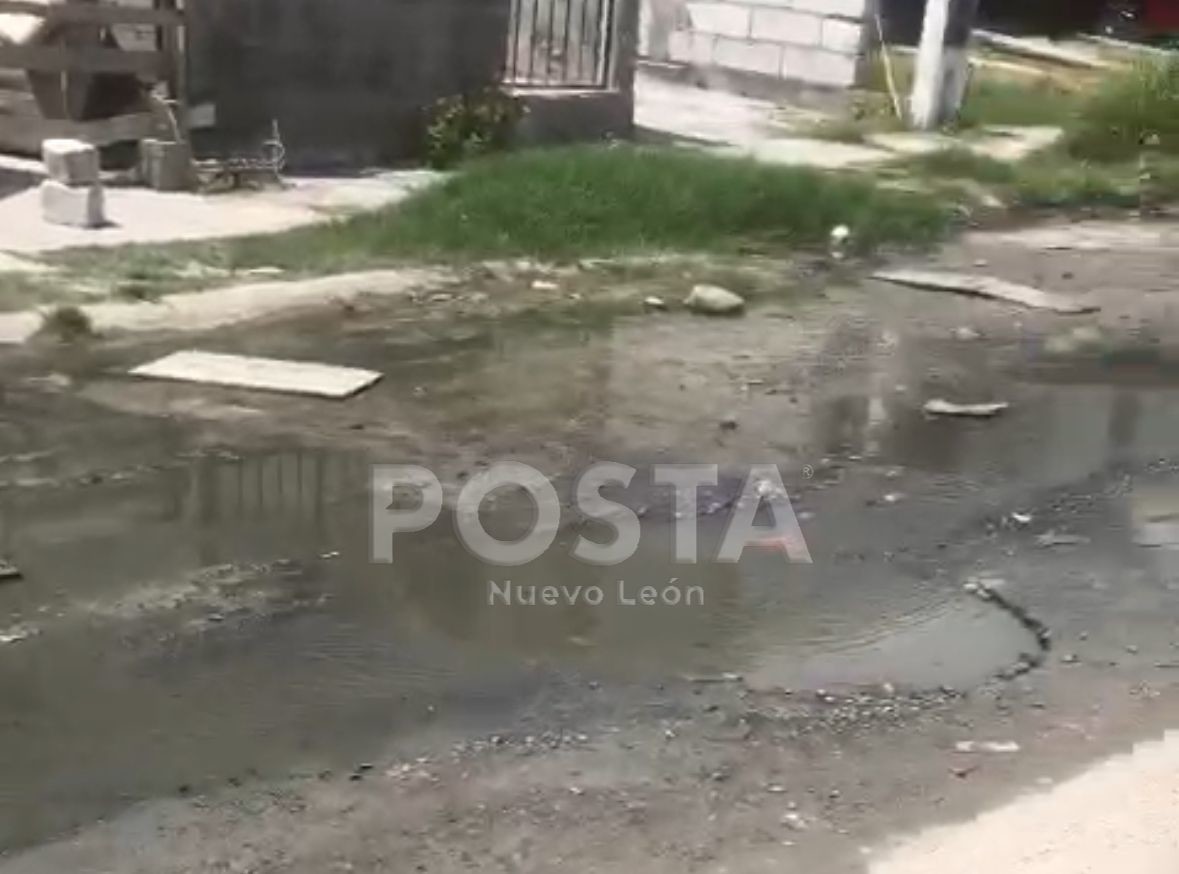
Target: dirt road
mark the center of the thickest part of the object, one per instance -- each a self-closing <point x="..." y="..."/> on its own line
<point x="203" y="671"/>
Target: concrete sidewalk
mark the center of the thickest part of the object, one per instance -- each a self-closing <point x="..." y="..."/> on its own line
<point x="138" y="215"/>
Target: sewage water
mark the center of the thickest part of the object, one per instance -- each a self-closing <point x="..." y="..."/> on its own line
<point x="222" y="619"/>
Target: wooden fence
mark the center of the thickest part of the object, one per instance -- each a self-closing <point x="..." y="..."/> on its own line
<point x="45" y="84"/>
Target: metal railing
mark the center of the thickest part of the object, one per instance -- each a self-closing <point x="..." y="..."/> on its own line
<point x="561" y="43"/>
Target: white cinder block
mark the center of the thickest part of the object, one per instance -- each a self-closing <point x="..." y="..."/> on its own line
<point x="70" y="162"/>
<point x="842" y="36"/>
<point x="785" y="26"/>
<point x="748" y="56"/>
<point x="722" y="19"/>
<point x="819" y="67"/>
<point x="79" y="207"/>
<point x="842" y="8"/>
<point x="689" y="47"/>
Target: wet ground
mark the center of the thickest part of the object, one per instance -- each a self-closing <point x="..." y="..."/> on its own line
<point x="199" y="609"/>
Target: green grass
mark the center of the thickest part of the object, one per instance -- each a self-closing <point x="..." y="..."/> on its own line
<point x="961" y="163"/>
<point x="1127" y="109"/>
<point x="572" y="202"/>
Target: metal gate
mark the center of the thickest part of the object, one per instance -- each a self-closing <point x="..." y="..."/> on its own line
<point x="561" y="43"/>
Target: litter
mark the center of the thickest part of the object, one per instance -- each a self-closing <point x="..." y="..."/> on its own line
<point x="940" y="407"/>
<point x="986" y="286"/>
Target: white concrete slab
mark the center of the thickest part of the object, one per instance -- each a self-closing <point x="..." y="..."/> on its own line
<point x="264" y="374"/>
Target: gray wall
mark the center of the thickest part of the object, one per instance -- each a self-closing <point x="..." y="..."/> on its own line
<point x="347" y="80"/>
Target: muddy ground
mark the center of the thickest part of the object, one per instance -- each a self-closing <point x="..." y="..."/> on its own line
<point x="202" y="670"/>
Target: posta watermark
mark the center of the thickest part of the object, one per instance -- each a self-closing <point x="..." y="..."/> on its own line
<point x="762" y="487"/>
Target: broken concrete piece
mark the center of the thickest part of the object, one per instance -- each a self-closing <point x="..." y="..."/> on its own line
<point x="973" y="746"/>
<point x="264" y="374"/>
<point x="1051" y="538"/>
<point x="8" y="571"/>
<point x="166" y="165"/>
<point x="76" y="207"/>
<point x="940" y="407"/>
<point x="985" y="286"/>
<point x="70" y="162"/>
<point x="714" y="301"/>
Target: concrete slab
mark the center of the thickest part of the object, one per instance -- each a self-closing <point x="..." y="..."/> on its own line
<point x="1001" y="142"/>
<point x="137" y="215"/>
<point x="741" y="126"/>
<point x="18" y="328"/>
<point x="264" y="374"/>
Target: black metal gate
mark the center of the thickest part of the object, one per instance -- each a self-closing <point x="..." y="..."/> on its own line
<point x="561" y="43"/>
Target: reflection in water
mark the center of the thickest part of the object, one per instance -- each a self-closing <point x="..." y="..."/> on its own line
<point x="156" y="667"/>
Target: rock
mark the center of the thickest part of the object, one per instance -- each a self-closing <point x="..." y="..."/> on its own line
<point x="166" y="165"/>
<point x="966" y="334"/>
<point x="9" y="571"/>
<point x="729" y="423"/>
<point x="545" y="285"/>
<point x="71" y="162"/>
<point x="76" y="207"/>
<point x="713" y="300"/>
<point x="940" y="407"/>
<point x="654" y="303"/>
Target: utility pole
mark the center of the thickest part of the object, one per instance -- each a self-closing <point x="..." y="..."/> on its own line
<point x="943" y="62"/>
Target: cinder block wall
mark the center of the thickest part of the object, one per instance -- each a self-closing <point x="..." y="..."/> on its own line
<point x="816" y="42"/>
<point x="347" y="80"/>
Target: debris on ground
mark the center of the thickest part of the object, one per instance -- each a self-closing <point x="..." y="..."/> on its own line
<point x="9" y="571"/>
<point x="654" y="303"/>
<point x="986" y="286"/>
<point x="974" y="746"/>
<point x="266" y="374"/>
<point x="1051" y="538"/>
<point x="941" y="407"/>
<point x="713" y="300"/>
<point x="966" y="334"/>
<point x="17" y="633"/>
<point x="839" y="239"/>
<point x="1021" y="518"/>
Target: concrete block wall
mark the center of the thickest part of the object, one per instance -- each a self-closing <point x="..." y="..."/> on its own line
<point x="815" y="42"/>
<point x="348" y="81"/>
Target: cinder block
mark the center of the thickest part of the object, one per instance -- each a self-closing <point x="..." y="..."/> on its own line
<point x="689" y="47"/>
<point x="842" y="36"/>
<point x="819" y="67"/>
<point x="79" y="207"/>
<point x="748" y="56"/>
<point x="842" y="8"/>
<point x="70" y="162"/>
<point x="785" y="26"/>
<point x="721" y="19"/>
<point x="166" y="165"/>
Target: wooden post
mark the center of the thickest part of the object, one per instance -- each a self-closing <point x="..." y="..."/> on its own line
<point x="943" y="62"/>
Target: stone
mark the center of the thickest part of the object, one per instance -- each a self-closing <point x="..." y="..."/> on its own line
<point x="714" y="301"/>
<point x="166" y="165"/>
<point x="70" y="162"/>
<point x="77" y="207"/>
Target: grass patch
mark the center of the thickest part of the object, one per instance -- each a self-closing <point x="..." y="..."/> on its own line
<point x="572" y="202"/>
<point x="960" y="163"/>
<point x="996" y="100"/>
<point x="1128" y="109"/>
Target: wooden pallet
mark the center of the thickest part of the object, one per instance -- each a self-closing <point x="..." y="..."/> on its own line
<point x="58" y="70"/>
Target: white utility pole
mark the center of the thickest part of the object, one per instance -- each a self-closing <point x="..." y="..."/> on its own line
<point x="943" y="62"/>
